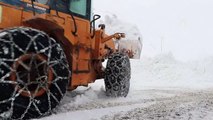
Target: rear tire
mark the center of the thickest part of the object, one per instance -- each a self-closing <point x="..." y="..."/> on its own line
<point x="34" y="73"/>
<point x="117" y="75"/>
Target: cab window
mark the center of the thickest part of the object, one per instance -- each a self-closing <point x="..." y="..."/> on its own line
<point x="12" y="2"/>
<point x="80" y="8"/>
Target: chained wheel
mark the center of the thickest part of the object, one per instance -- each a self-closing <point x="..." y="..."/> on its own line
<point x="34" y="73"/>
<point x="117" y="75"/>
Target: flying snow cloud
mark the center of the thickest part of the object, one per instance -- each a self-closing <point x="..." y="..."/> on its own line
<point x="181" y="27"/>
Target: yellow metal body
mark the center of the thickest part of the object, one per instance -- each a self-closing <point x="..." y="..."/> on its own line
<point x="84" y="53"/>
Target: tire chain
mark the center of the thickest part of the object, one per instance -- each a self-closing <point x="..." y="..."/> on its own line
<point x="7" y="55"/>
<point x="117" y="76"/>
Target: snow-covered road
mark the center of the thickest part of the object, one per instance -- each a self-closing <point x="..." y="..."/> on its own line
<point x="194" y="105"/>
<point x="162" y="88"/>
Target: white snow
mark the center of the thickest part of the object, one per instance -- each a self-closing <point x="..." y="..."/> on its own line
<point x="6" y="114"/>
<point x="172" y="80"/>
<point x="6" y="50"/>
<point x="153" y="79"/>
<point x="3" y="33"/>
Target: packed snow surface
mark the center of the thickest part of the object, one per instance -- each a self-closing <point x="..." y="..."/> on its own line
<point x="161" y="88"/>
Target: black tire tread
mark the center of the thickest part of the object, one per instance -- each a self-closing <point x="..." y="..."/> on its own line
<point x="117" y="75"/>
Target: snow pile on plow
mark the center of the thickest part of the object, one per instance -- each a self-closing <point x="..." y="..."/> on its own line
<point x="133" y="41"/>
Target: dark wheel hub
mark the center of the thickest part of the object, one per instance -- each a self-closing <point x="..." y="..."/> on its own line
<point x="32" y="74"/>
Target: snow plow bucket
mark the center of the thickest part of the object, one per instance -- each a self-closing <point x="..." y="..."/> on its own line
<point x="131" y="47"/>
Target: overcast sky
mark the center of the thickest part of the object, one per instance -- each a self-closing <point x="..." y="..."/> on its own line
<point x="183" y="27"/>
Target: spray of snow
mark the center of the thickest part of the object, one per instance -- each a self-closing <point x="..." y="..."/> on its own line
<point x="133" y="40"/>
<point x="176" y="26"/>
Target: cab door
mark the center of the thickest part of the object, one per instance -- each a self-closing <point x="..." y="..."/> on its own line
<point x="82" y="48"/>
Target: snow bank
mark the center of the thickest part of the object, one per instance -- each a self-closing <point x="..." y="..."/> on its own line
<point x="165" y="71"/>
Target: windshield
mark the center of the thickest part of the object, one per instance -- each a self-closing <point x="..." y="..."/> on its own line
<point x="80" y="8"/>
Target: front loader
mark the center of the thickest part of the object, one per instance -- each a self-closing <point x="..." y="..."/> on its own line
<point x="50" y="46"/>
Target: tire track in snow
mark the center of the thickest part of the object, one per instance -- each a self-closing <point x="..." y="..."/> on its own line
<point x="71" y="103"/>
<point x="189" y="106"/>
<point x="103" y="105"/>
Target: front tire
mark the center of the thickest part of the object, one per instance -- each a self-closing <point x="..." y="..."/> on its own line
<point x="34" y="73"/>
<point x="117" y="75"/>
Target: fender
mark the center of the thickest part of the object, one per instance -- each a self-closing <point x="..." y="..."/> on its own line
<point x="54" y="30"/>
